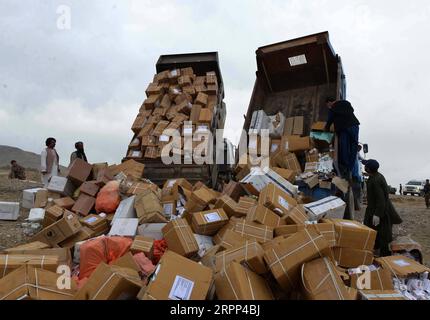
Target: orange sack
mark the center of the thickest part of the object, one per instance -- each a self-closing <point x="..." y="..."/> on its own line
<point x="102" y="249"/>
<point x="108" y="198"/>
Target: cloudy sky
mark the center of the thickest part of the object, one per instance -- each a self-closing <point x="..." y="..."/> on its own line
<point x="87" y="82"/>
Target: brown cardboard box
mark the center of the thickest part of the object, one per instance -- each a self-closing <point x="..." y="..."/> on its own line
<point x="84" y="204"/>
<point x="84" y="233"/>
<point x="195" y="113"/>
<point x="127" y="261"/>
<point x="52" y="214"/>
<point x="90" y="188"/>
<point x="202" y="99"/>
<point x="297" y="215"/>
<point x="11" y="262"/>
<point x="353" y="234"/>
<point x="148" y="208"/>
<point x="153" y="89"/>
<point x="208" y="258"/>
<point x="184" y="81"/>
<point x="295" y="143"/>
<point x="138" y="123"/>
<point x="180" y="238"/>
<point x="227" y="204"/>
<point x="28" y="246"/>
<point x="325" y="184"/>
<point x="325" y="229"/>
<point x="109" y="282"/>
<point x="275" y="145"/>
<point x="159" y="128"/>
<point x="401" y="266"/>
<point x="381" y="295"/>
<point x="352" y="258"/>
<point x="380" y="279"/>
<point x="239" y="283"/>
<point x="142" y="244"/>
<point x="183" y="97"/>
<point x="190" y="90"/>
<point x="65" y="203"/>
<point x="252" y="230"/>
<point x="312" y="155"/>
<point x="131" y="168"/>
<point x="151" y="102"/>
<point x="178" y="278"/>
<point x="320" y="281"/>
<point x="169" y="208"/>
<point x="93" y="221"/>
<point x="29" y="283"/>
<point x="263" y="215"/>
<point x="64" y="228"/>
<point x="249" y="253"/>
<point x="341" y="184"/>
<point x="227" y="239"/>
<point x="276" y="199"/>
<point x="152" y="153"/>
<point x="287" y="174"/>
<point x="286" y="258"/>
<point x="209" y="222"/>
<point x="205" y="116"/>
<point x="313" y="181"/>
<point x="233" y="189"/>
<point x="200" y="199"/>
<point x="63" y="255"/>
<point x="41" y="198"/>
<point x="243" y="206"/>
<point x="298" y="126"/>
<point x="79" y="172"/>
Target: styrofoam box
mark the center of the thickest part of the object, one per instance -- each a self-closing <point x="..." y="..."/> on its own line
<point x="124" y="227"/>
<point x="151" y="230"/>
<point x="125" y="209"/>
<point x="28" y="197"/>
<point x="9" y="211"/>
<point x="36" y="214"/>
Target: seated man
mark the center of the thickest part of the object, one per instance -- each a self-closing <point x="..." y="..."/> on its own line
<point x="16" y="171"/>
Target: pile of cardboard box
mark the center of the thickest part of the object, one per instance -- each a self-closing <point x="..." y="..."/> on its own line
<point x="250" y="241"/>
<point x="175" y="97"/>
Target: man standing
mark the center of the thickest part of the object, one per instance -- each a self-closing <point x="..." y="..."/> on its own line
<point x="346" y="126"/>
<point x="380" y="213"/>
<point x="16" y="171"/>
<point x="79" y="153"/>
<point x="50" y="161"/>
<point x="427" y="193"/>
<point x="401" y="189"/>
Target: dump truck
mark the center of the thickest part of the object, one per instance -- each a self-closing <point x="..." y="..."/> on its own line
<point x="295" y="77"/>
<point x="210" y="174"/>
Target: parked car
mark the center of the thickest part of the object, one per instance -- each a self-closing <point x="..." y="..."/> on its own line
<point x="414" y="187"/>
<point x="392" y="190"/>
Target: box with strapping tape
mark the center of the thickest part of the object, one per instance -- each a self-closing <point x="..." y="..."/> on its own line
<point x="325" y="229"/>
<point x="142" y="244"/>
<point x="330" y="207"/>
<point x="264" y="215"/>
<point x="276" y="199"/>
<point x="227" y="204"/>
<point x="352" y="258"/>
<point x="381" y="295"/>
<point x="178" y="278"/>
<point x="249" y="253"/>
<point x="208" y="222"/>
<point x="253" y="230"/>
<point x="285" y="258"/>
<point x="243" y="206"/>
<point x="379" y="279"/>
<point x="180" y="238"/>
<point x="227" y="238"/>
<point x="11" y="262"/>
<point x="297" y="215"/>
<point x="236" y="282"/>
<point x="353" y="234"/>
<point x="320" y="281"/>
<point x="401" y="266"/>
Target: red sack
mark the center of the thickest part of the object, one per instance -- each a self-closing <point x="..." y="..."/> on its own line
<point x="145" y="265"/>
<point x="159" y="247"/>
<point x="102" y="249"/>
<point x="108" y="198"/>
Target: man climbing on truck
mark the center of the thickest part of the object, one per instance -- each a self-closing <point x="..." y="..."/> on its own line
<point x="346" y="126"/>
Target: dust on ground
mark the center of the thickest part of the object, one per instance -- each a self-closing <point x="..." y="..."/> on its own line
<point x="416" y="218"/>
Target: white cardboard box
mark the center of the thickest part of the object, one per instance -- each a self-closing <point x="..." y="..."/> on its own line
<point x="36" y="214"/>
<point x="151" y="230"/>
<point x="330" y="207"/>
<point x="61" y="185"/>
<point x="28" y="197"/>
<point x="125" y="227"/>
<point x="9" y="211"/>
<point x="125" y="209"/>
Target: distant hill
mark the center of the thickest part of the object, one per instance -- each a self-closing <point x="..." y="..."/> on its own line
<point x="29" y="160"/>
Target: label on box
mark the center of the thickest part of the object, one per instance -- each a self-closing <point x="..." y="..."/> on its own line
<point x="284" y="203"/>
<point x="181" y="289"/>
<point x="212" y="217"/>
<point x="297" y="60"/>
<point x="401" y="263"/>
<point x="164" y="138"/>
<point x="91" y="220"/>
<point x="168" y="209"/>
<point x="274" y="147"/>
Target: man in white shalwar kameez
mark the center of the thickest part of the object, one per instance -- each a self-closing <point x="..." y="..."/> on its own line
<point x="50" y="160"/>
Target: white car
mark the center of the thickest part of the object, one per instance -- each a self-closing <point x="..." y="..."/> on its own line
<point x="414" y="187"/>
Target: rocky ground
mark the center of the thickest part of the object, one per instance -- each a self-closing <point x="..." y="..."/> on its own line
<point x="416" y="218"/>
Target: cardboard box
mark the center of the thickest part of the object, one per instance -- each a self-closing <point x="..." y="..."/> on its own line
<point x="62" y="186"/>
<point x="253" y="231"/>
<point x="325" y="229"/>
<point x="200" y="199"/>
<point x="250" y="254"/>
<point x="227" y="239"/>
<point x="41" y="198"/>
<point x="84" y="204"/>
<point x="353" y="234"/>
<point x="201" y="99"/>
<point x="110" y="283"/>
<point x="79" y="171"/>
<point x="65" y="203"/>
<point x="208" y="222"/>
<point x="142" y="244"/>
<point x="127" y="261"/>
<point x="208" y="259"/>
<point x="295" y="143"/>
<point x="381" y="295"/>
<point x="36" y="215"/>
<point x="234" y="190"/>
<point x="205" y="116"/>
<point x="59" y="231"/>
<point x="180" y="238"/>
<point x="276" y="199"/>
<point x="330" y="207"/>
<point x="178" y="278"/>
<point x="239" y="283"/>
<point x="195" y="113"/>
<point x="341" y="184"/>
<point x="286" y="258"/>
<point x="11" y="262"/>
<point x="94" y="221"/>
<point x="297" y="215"/>
<point x="227" y="204"/>
<point x="294" y="126"/>
<point x="169" y="208"/>
<point x="312" y="155"/>
<point x="320" y="281"/>
<point x="28" y="246"/>
<point x="83" y="234"/>
<point x="312" y="181"/>
<point x="125" y="209"/>
<point x="275" y="145"/>
<point x="151" y="230"/>
<point x="287" y="174"/>
<point x="63" y="255"/>
<point x="89" y="188"/>
<point x="9" y="211"/>
<point x="131" y="168"/>
<point x="401" y="266"/>
<point x="125" y="227"/>
<point x="264" y="215"/>
<point x="243" y="206"/>
<point x="148" y="208"/>
<point x="28" y="197"/>
<point x="29" y="283"/>
<point x="52" y="215"/>
<point x="325" y="184"/>
<point x="352" y="258"/>
<point x="380" y="279"/>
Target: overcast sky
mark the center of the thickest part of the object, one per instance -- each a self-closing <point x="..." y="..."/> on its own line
<point x="87" y="83"/>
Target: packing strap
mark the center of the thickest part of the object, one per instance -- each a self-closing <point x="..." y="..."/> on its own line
<point x="250" y="284"/>
<point x="381" y="295"/>
<point x="5" y="265"/>
<point x="104" y="285"/>
<point x="176" y="225"/>
<point x="230" y="283"/>
<point x="278" y="260"/>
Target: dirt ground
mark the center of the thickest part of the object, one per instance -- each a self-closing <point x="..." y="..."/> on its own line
<point x="416" y="218"/>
